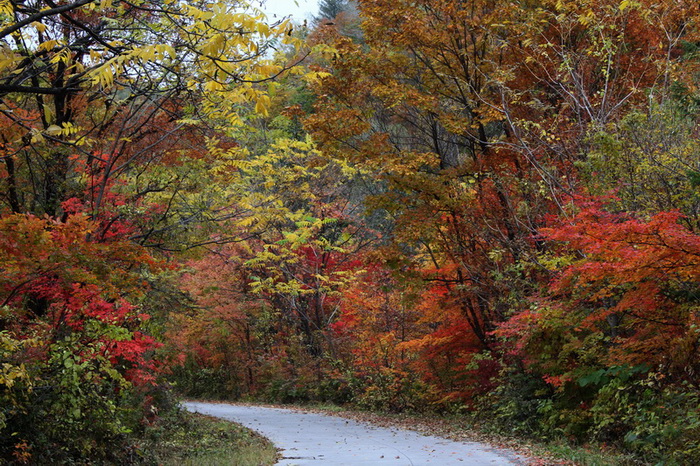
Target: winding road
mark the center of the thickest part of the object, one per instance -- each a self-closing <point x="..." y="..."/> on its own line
<point x="318" y="439"/>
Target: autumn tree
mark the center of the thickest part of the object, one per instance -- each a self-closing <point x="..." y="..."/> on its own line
<point x="475" y="117"/>
<point x="106" y="109"/>
<point x="101" y="75"/>
<point x="71" y="339"/>
<point x="416" y="108"/>
<point x="649" y="161"/>
<point x="290" y="252"/>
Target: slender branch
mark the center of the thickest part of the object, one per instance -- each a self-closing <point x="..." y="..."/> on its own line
<point x="42" y="14"/>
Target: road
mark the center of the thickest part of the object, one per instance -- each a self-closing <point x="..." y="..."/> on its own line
<point x="318" y="439"/>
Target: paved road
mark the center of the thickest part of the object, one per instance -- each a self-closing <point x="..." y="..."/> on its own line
<point x="316" y="439"/>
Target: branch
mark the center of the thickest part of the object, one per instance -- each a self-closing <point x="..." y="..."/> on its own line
<point x="5" y="88"/>
<point x="43" y="14"/>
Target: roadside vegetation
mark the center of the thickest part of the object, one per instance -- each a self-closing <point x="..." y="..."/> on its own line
<point x="188" y="439"/>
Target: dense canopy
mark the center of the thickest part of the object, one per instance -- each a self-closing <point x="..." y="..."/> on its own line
<point x="481" y="207"/>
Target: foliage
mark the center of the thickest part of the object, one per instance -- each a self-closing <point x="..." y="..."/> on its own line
<point x="649" y="159"/>
<point x="485" y="123"/>
<point x="85" y="84"/>
<point x="633" y="289"/>
<point x="104" y="110"/>
<point x="656" y="421"/>
<point x="72" y="351"/>
<point x="486" y="206"/>
<point x="271" y="294"/>
<point x="495" y="280"/>
<point x="615" y="340"/>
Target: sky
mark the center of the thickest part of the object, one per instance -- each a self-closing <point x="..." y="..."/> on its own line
<point x="299" y="9"/>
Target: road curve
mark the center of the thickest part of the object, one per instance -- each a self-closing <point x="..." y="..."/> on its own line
<point x="316" y="439"/>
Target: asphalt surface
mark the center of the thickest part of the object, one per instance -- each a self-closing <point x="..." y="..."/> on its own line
<point x="318" y="439"/>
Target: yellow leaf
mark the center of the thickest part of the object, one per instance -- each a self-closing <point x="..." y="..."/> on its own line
<point x="53" y="130"/>
<point x="41" y="27"/>
<point x="261" y="107"/>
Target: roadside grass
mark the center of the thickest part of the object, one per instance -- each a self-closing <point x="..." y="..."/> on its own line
<point x="563" y="452"/>
<point x="189" y="439"/>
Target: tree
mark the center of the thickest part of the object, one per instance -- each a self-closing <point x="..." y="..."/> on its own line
<point x="415" y="106"/>
<point x="625" y="281"/>
<point x="328" y="10"/>
<point x="649" y="161"/>
<point x="615" y="335"/>
<point x="71" y="339"/>
<point x="104" y="109"/>
<point x="85" y="72"/>
<point x="280" y="275"/>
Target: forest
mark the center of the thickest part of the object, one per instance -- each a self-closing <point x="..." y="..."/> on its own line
<point x="488" y="208"/>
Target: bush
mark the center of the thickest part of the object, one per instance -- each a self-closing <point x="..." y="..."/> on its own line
<point x="69" y="406"/>
<point x="657" y="423"/>
<point x="517" y="405"/>
<point x="623" y="406"/>
<point x="214" y="383"/>
<point x="388" y="389"/>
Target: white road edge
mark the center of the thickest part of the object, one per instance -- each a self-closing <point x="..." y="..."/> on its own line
<point x="318" y="439"/>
